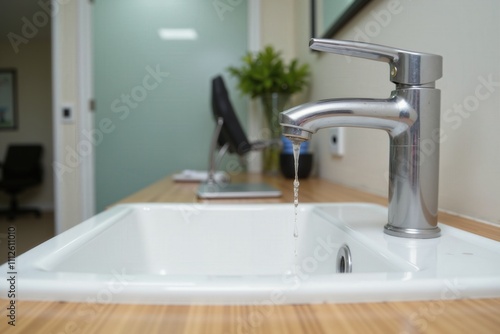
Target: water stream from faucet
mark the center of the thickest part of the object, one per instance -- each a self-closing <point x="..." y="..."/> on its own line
<point x="296" y="153"/>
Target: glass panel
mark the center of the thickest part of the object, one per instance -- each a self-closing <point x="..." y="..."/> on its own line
<point x="153" y="65"/>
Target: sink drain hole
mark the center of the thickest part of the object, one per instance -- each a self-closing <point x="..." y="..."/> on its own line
<point x="344" y="260"/>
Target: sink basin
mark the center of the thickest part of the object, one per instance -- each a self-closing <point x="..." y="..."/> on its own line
<point x="246" y="254"/>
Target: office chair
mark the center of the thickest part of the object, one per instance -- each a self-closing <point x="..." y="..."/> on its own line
<point x="229" y="136"/>
<point x="21" y="170"/>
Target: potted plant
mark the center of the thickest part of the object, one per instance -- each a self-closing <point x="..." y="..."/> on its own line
<point x="265" y="75"/>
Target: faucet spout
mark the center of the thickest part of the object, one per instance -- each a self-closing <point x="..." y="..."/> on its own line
<point x="393" y="115"/>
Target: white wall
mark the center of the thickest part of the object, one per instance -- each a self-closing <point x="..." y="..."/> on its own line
<point x="465" y="33"/>
<point x="278" y="26"/>
<point x="33" y="65"/>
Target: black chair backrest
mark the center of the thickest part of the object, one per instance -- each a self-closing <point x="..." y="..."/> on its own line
<point x="231" y="132"/>
<point x="22" y="162"/>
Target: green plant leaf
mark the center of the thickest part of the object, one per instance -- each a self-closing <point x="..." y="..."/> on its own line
<point x="266" y="72"/>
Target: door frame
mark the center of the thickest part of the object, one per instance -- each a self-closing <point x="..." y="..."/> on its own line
<point x="81" y="199"/>
<point x="85" y="196"/>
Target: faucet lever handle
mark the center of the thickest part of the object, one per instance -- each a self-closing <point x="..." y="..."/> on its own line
<point x="406" y="67"/>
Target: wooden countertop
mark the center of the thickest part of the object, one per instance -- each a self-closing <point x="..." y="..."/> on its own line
<point x="440" y="316"/>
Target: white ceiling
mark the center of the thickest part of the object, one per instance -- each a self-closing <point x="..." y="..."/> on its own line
<point x="12" y="13"/>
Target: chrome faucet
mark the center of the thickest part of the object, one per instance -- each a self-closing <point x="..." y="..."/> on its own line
<point x="410" y="116"/>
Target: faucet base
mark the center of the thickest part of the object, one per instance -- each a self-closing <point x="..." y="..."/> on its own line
<point x="413" y="233"/>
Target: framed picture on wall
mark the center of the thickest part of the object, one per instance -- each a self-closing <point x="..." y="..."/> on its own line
<point x="8" y="99"/>
<point x="328" y="17"/>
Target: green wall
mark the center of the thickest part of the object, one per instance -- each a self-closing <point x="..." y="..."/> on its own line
<point x="153" y="112"/>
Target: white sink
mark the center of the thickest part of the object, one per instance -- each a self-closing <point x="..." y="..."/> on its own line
<point x="245" y="254"/>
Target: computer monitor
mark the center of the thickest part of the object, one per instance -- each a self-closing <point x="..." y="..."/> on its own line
<point x="231" y="132"/>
